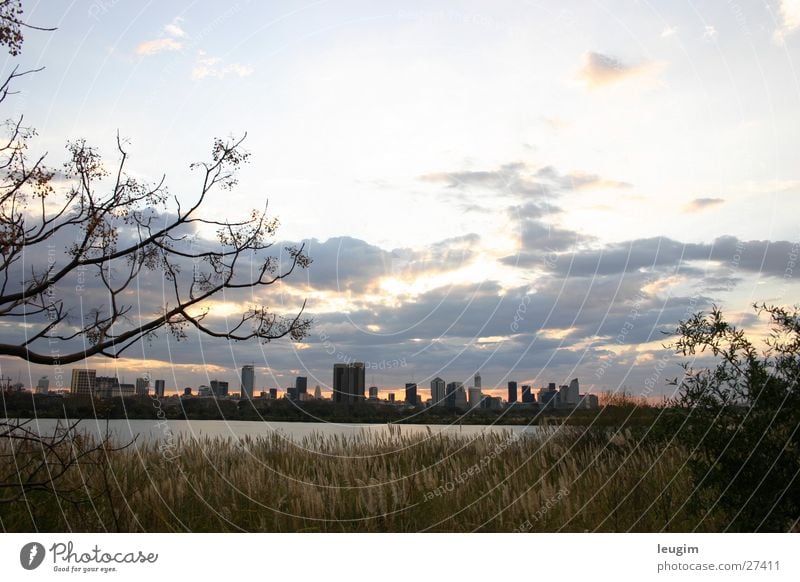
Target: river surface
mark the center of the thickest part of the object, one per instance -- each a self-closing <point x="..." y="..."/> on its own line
<point x="145" y="430"/>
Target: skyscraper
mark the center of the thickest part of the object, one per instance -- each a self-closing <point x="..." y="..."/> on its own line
<point x="160" y="388"/>
<point x="475" y="396"/>
<point x="411" y="393"/>
<point x="348" y="382"/>
<point x="318" y="392"/>
<point x="478" y="381"/>
<point x="142" y="386"/>
<point x="450" y="393"/>
<point x="248" y="381"/>
<point x="548" y="396"/>
<point x="300" y="387"/>
<point x="219" y="388"/>
<point x="573" y="392"/>
<point x="83" y="381"/>
<point x="528" y="397"/>
<point x="43" y="385"/>
<point x="460" y="397"/>
<point x="373" y="392"/>
<point x="437" y="392"/>
<point x="512" y="392"/>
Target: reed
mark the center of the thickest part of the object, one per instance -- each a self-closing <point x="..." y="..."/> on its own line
<point x="564" y="480"/>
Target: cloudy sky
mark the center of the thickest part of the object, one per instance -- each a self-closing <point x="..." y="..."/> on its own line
<point x="531" y="189"/>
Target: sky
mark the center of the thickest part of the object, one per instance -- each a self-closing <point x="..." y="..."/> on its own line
<point x="533" y="190"/>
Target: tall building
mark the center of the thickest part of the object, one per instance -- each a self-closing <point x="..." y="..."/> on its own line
<point x="248" y="381"/>
<point x="460" y="397"/>
<point x="43" y="385"/>
<point x="450" y="393"/>
<point x="475" y="396"/>
<point x="373" y="392"/>
<point x="83" y="381"/>
<point x="318" y="392"/>
<point x="142" y="386"/>
<point x="348" y="382"/>
<point x="106" y="386"/>
<point x="512" y="392"/>
<point x="300" y="387"/>
<point x="548" y="397"/>
<point x="273" y="393"/>
<point x="437" y="392"/>
<point x="160" y="388"/>
<point x="573" y="392"/>
<point x="527" y="396"/>
<point x="411" y="393"/>
<point x="219" y="388"/>
<point x="478" y="381"/>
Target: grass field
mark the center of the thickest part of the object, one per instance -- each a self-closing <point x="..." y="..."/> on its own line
<point x="397" y="483"/>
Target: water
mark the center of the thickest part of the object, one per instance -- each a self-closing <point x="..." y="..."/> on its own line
<point x="123" y="431"/>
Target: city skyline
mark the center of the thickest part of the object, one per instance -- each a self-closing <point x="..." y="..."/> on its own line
<point x="81" y="378"/>
<point x="547" y="206"/>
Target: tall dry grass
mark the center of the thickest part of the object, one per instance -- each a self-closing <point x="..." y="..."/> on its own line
<point x="397" y="482"/>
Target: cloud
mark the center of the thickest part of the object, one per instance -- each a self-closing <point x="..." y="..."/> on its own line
<point x="601" y="70"/>
<point x="170" y="42"/>
<point x="583" y="181"/>
<point x="521" y="181"/>
<point x="700" y="204"/>
<point x="710" y="32"/>
<point x="174" y="29"/>
<point x="159" y="45"/>
<point x="346" y="264"/>
<point x="789" y="11"/>
<point x="668" y="32"/>
<point x="211" y="67"/>
<point x="727" y="255"/>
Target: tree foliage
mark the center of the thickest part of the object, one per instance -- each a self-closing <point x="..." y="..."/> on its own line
<point x="742" y="416"/>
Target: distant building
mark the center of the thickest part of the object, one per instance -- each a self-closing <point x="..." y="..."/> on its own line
<point x="548" y="397"/>
<point x="475" y="396"/>
<point x="301" y="386"/>
<point x="219" y="388"/>
<point x="142" y="386"/>
<point x="187" y="391"/>
<point x="317" y="392"/>
<point x="106" y="386"/>
<point x="589" y="401"/>
<point x="411" y="393"/>
<point x="83" y="382"/>
<point x="512" y="392"/>
<point x="573" y="392"/>
<point x="43" y="385"/>
<point x="450" y="393"/>
<point x="391" y="396"/>
<point x="492" y="403"/>
<point x="478" y="382"/>
<point x="273" y="393"/>
<point x="527" y="396"/>
<point x="160" y="384"/>
<point x="460" y="397"/>
<point x="437" y="392"/>
<point x="373" y="392"/>
<point x="204" y="390"/>
<point x="348" y="382"/>
<point x="248" y="381"/>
